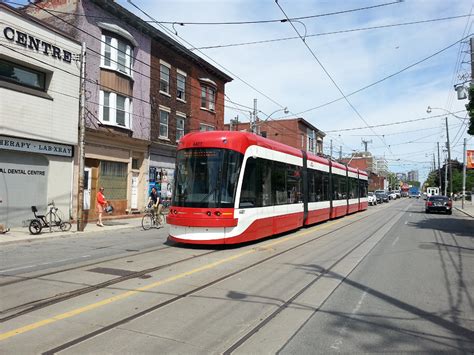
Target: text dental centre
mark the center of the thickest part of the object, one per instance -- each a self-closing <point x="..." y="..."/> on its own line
<point x="28" y="41"/>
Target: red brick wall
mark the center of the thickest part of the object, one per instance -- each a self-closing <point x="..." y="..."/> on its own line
<point x="192" y="107"/>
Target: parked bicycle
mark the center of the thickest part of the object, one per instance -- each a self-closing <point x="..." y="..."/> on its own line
<point x="53" y="218"/>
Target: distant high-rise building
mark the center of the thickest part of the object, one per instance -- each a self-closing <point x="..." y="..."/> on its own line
<point x="402" y="176"/>
<point x="380" y="166"/>
<point x="413" y="175"/>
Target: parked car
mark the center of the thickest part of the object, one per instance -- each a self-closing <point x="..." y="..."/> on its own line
<point x="397" y="193"/>
<point x="382" y="195"/>
<point x="392" y="195"/>
<point x="439" y="204"/>
<point x="372" y="199"/>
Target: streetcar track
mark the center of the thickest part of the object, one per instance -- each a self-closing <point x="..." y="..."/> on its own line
<point x="322" y="273"/>
<point x="38" y="304"/>
<point x="42" y="303"/>
<point x="211" y="283"/>
<point x="20" y="278"/>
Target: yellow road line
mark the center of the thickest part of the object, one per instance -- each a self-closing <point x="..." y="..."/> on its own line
<point x="127" y="294"/>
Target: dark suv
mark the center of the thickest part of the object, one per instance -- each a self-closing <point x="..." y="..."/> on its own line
<point x="439" y="204"/>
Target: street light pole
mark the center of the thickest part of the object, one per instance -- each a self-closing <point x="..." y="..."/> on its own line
<point x="449" y="161"/>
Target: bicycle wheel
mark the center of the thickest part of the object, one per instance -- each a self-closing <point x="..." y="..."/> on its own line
<point x="162" y="219"/>
<point x="147" y="221"/>
<point x="35" y="227"/>
<point x="65" y="226"/>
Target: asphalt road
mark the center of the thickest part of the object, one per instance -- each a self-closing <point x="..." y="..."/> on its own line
<point x="391" y="279"/>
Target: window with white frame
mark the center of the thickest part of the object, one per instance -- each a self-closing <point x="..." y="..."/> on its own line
<point x="164" y="77"/>
<point x="180" y="120"/>
<point x="115" y="109"/>
<point x="181" y="85"/>
<point x="164" y="122"/>
<point x="116" y="54"/>
<point x="208" y="97"/>
<point x="205" y="127"/>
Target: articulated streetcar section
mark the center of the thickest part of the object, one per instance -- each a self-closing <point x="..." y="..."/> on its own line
<point x="235" y="187"/>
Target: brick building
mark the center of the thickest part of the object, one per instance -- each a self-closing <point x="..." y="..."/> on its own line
<point x="295" y="132"/>
<point x="143" y="92"/>
<point x="187" y="94"/>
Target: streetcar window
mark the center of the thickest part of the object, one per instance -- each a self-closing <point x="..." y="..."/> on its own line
<point x="279" y="183"/>
<point x="206" y="178"/>
<point x="293" y="185"/>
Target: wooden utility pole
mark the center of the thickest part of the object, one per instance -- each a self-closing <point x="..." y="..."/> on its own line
<point x="81" y="154"/>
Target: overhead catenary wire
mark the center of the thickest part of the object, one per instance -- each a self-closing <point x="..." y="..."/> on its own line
<point x="222" y="23"/>
<point x="333" y="32"/>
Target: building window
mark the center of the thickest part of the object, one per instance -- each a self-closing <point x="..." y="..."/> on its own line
<point x="164" y="77"/>
<point x="180" y="126"/>
<point x="116" y="54"/>
<point x="181" y="86"/>
<point x="164" y="119"/>
<point x="135" y="165"/>
<point x="205" y="127"/>
<point x="21" y="75"/>
<point x="208" y="97"/>
<point x="115" y="109"/>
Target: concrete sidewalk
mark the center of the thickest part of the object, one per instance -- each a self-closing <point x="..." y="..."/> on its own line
<point x="22" y="234"/>
<point x="468" y="207"/>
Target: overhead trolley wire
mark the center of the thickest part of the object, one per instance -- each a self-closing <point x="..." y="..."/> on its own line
<point x="333" y="32"/>
<point x="330" y="77"/>
<point x="221" y="23"/>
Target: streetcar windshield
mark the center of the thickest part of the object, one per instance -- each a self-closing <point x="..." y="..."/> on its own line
<point x="206" y="177"/>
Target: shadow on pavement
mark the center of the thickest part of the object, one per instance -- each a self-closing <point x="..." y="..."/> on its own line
<point x="450" y="225"/>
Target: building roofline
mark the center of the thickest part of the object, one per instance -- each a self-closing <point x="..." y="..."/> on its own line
<point x="37" y="21"/>
<point x="153" y="32"/>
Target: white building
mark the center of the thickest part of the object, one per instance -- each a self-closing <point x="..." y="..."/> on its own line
<point x="39" y="104"/>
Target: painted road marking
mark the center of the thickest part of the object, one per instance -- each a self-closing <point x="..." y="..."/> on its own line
<point x="128" y="294"/>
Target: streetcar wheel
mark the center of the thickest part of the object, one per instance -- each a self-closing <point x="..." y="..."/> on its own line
<point x="65" y="226"/>
<point x="35" y="227"/>
<point x="147" y="222"/>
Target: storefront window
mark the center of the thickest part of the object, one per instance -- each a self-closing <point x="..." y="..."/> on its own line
<point x="113" y="177"/>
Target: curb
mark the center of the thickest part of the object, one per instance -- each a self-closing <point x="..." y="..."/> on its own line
<point x="466" y="213"/>
<point x="28" y="238"/>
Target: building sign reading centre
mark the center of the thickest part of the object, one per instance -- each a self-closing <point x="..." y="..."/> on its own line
<point x="28" y="41"/>
<point x="26" y="145"/>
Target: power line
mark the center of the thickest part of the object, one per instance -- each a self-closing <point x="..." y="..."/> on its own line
<point x="332" y="32"/>
<point x="387" y="77"/>
<point x="331" y="78"/>
<point x="182" y="23"/>
<point x="390" y="124"/>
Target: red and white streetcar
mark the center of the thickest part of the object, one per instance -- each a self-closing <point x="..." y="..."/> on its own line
<point x="234" y="187"/>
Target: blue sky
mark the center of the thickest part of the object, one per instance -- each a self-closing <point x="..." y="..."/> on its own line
<point x="287" y="75"/>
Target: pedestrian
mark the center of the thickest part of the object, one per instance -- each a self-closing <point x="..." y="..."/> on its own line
<point x="101" y="204"/>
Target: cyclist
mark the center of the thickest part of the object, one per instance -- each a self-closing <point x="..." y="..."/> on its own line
<point x="155" y="202"/>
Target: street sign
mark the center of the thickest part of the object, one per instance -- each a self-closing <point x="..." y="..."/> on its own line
<point x="470" y="159"/>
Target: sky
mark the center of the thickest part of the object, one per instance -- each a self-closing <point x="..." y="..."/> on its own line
<point x="305" y="76"/>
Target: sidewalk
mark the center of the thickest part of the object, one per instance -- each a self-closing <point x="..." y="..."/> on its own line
<point x="22" y="234"/>
<point x="468" y="207"/>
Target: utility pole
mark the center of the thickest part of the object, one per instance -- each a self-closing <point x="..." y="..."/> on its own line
<point x="449" y="160"/>
<point x="255" y="117"/>
<point x="464" y="172"/>
<point x="82" y="119"/>
<point x="331" y="149"/>
<point x="439" y="169"/>
<point x="446" y="177"/>
<point x="340" y="152"/>
<point x="365" y="143"/>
